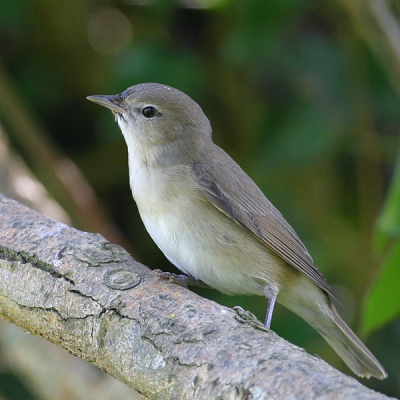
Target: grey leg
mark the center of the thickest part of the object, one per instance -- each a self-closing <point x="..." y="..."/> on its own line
<point x="270" y="311"/>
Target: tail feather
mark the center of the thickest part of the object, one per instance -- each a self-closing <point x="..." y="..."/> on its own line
<point x="351" y="350"/>
<point x="313" y="305"/>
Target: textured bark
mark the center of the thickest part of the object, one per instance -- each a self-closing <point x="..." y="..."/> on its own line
<point x="90" y="297"/>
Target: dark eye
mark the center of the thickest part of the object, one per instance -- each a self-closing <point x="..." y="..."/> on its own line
<point x="149" y="112"/>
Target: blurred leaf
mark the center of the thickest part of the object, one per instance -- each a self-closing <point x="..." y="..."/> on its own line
<point x="388" y="228"/>
<point x="383" y="303"/>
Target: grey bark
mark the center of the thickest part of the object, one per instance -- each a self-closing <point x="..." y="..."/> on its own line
<point x="92" y="298"/>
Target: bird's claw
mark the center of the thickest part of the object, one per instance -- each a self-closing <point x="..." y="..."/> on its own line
<point x="182" y="280"/>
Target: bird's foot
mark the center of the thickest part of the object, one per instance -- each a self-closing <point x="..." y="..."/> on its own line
<point x="182" y="280"/>
<point x="246" y="317"/>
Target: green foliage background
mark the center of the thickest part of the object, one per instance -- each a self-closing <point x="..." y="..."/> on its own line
<point x="304" y="94"/>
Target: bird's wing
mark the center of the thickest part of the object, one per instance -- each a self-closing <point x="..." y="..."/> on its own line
<point x="237" y="196"/>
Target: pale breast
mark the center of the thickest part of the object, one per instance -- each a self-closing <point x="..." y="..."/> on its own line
<point x="204" y="243"/>
<point x="196" y="237"/>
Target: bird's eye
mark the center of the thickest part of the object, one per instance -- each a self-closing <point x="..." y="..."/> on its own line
<point x="149" y="112"/>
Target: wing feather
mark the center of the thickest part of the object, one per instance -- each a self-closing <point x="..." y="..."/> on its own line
<point x="238" y="197"/>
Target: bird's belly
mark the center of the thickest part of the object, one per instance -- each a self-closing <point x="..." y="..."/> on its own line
<point x="215" y="250"/>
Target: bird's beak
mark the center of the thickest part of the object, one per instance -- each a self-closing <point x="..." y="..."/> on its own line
<point x="113" y="102"/>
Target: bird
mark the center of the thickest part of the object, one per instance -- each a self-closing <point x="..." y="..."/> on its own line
<point x="212" y="221"/>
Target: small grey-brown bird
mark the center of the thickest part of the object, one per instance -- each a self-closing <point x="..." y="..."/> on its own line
<point x="213" y="222"/>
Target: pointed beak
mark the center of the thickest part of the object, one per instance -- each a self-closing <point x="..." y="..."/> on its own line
<point x="113" y="102"/>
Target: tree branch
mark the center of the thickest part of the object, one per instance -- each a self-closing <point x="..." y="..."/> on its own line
<point x="90" y="297"/>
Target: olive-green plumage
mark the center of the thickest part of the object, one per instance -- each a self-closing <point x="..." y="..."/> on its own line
<point x="214" y="223"/>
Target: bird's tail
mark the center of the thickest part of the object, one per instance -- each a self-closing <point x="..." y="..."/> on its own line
<point x="313" y="305"/>
<point x="350" y="348"/>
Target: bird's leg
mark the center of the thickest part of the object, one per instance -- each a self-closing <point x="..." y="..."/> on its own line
<point x="271" y="299"/>
<point x="183" y="280"/>
<point x="270" y="310"/>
